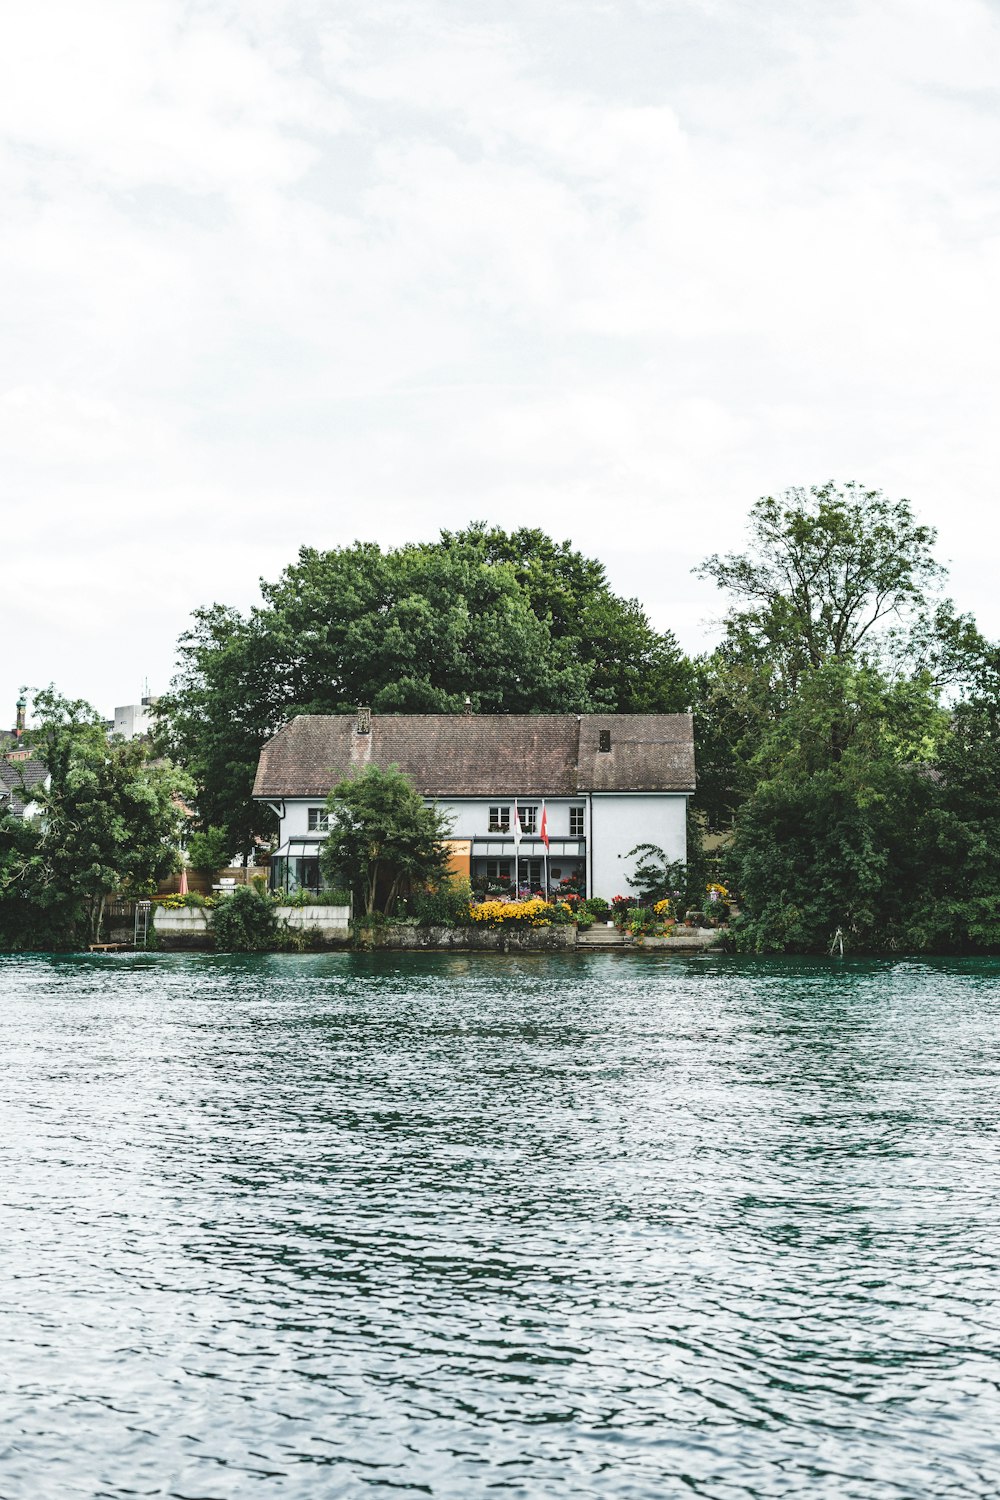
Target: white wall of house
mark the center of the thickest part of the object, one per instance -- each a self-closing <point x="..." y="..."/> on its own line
<point x="615" y="822"/>
<point x="295" y="823"/>
<point x="469" y="816"/>
<point x="619" y="821"/>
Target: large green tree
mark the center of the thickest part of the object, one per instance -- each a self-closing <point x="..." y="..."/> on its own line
<point x="517" y="622"/>
<point x="383" y="839"/>
<point x="108" y="820"/>
<point x="833" y="833"/>
<point x="831" y="576"/>
<point x="849" y="720"/>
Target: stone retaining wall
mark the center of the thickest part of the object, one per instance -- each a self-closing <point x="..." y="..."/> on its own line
<point x="331" y="921"/>
<point x="471" y="939"/>
<point x="187" y="927"/>
<point x="684" y="939"/>
<point x="190" y="926"/>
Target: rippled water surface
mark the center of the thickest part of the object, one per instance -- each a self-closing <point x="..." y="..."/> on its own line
<point x="560" y="1226"/>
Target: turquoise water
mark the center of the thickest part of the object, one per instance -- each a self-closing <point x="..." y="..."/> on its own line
<point x="560" y="1226"/>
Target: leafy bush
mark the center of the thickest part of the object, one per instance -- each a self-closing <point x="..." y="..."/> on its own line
<point x="447" y="906"/>
<point x="245" y="922"/>
<point x="641" y="920"/>
<point x="656" y="877"/>
<point x="192" y="899"/>
<point x="596" y="906"/>
<point x="584" y="922"/>
<point x="209" y="851"/>
<point x="314" y="898"/>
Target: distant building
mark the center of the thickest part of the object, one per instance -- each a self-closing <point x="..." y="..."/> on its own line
<point x="134" y="721"/>
<point x="19" y="769"/>
<point x="607" y="782"/>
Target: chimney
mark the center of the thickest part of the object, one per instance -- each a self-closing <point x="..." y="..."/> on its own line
<point x="364" y="721"/>
<point x="21" y="706"/>
<point x="468" y="706"/>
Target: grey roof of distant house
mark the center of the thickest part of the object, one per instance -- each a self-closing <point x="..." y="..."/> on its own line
<point x="483" y="755"/>
<point x="12" y="799"/>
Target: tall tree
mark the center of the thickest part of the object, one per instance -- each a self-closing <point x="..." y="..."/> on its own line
<point x="838" y="577"/>
<point x="383" y="840"/>
<point x="831" y="574"/>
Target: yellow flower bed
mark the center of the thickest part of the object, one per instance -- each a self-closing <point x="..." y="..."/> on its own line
<point x="533" y="913"/>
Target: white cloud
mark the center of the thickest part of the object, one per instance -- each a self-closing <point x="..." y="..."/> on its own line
<point x="280" y="273"/>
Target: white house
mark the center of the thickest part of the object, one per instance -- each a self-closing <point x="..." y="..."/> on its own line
<point x="607" y="782"/>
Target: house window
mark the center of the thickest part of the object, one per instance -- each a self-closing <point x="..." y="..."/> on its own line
<point x="529" y="873"/>
<point x="576" y="822"/>
<point x="529" y="819"/>
<point x="498" y="869"/>
<point x="499" y="820"/>
<point x="604" y="739"/>
<point x="319" y="820"/>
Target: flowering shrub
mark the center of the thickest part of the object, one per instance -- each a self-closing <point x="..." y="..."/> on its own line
<point x="533" y="913"/>
<point x="664" y="910"/>
<point x="619" y="909"/>
<point x="718" y="903"/>
<point x="177" y="903"/>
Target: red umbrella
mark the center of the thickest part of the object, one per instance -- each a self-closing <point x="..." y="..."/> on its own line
<point x="182" y="888"/>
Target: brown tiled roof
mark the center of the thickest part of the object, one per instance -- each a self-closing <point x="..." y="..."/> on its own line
<point x="483" y="755"/>
<point x="16" y="781"/>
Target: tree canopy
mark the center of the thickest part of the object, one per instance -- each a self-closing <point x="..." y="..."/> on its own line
<point x="838" y="578"/>
<point x="831" y="574"/>
<point x="516" y="621"/>
<point x="849" y="722"/>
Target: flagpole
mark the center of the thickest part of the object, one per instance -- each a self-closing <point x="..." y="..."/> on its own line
<point x="517" y="847"/>
<point x="545" y="856"/>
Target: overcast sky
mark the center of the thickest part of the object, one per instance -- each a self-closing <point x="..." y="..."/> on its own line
<point x="291" y="271"/>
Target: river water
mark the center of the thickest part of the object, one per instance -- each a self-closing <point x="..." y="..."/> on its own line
<point x="559" y="1225"/>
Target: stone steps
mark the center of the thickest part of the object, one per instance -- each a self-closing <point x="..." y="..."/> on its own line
<point x="601" y="937"/>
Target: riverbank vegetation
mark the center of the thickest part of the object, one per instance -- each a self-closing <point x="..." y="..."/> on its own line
<point x="847" y="724"/>
<point x="847" y="730"/>
<point x="107" y="820"/>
